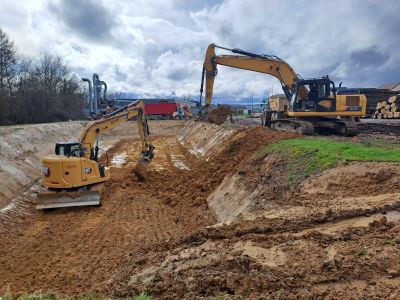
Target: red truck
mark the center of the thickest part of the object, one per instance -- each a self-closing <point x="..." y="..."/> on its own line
<point x="166" y="109"/>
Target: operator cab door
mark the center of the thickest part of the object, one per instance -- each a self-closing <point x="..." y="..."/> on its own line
<point x="326" y="97"/>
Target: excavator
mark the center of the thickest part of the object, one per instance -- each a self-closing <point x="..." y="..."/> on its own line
<point x="311" y="104"/>
<point x="73" y="176"/>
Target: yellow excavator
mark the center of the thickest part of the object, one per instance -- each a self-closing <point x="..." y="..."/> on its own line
<point x="73" y="176"/>
<point x="311" y="103"/>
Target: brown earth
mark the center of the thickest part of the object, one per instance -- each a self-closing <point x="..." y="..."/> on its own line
<point x="336" y="235"/>
<point x="218" y="115"/>
<point x="391" y="129"/>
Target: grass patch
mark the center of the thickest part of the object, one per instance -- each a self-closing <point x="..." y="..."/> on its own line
<point x="307" y="156"/>
<point x="393" y="242"/>
<point x="93" y="296"/>
<point x="142" y="296"/>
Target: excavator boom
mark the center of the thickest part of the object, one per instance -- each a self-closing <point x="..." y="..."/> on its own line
<point x="266" y="64"/>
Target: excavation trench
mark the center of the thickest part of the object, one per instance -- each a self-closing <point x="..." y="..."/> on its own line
<point x="211" y="218"/>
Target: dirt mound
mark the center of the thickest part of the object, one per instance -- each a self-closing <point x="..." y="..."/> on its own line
<point x="218" y="115"/>
<point x="350" y="180"/>
<point x="204" y="178"/>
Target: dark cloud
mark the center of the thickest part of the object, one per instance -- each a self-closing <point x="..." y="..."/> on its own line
<point x="88" y="18"/>
<point x="79" y="49"/>
<point x="195" y="5"/>
<point x="177" y="74"/>
<point x="368" y="57"/>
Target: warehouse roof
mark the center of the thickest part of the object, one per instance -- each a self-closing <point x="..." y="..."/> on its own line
<point x="390" y="86"/>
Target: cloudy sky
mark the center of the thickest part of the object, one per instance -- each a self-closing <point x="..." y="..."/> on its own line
<point x="157" y="47"/>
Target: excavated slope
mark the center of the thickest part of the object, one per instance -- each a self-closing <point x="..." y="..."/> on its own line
<point x="21" y="149"/>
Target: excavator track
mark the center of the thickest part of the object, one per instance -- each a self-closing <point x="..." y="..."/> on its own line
<point x="339" y="126"/>
<point x="347" y="128"/>
<point x="292" y="125"/>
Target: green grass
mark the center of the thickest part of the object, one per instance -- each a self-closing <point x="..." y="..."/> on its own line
<point x="93" y="296"/>
<point x="393" y="242"/>
<point x="307" y="156"/>
<point x="142" y="296"/>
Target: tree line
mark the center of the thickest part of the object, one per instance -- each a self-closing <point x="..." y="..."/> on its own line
<point x="36" y="90"/>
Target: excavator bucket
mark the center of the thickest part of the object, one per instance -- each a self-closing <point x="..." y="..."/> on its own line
<point x="50" y="199"/>
<point x="219" y="115"/>
<point x="140" y="170"/>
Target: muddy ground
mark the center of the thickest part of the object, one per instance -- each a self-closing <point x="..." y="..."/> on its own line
<point x="214" y="219"/>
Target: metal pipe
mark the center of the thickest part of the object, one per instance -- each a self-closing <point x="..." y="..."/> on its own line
<point x="90" y="98"/>
<point x="95" y="94"/>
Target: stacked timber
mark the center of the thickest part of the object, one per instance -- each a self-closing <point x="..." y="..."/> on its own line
<point x="375" y="96"/>
<point x="388" y="109"/>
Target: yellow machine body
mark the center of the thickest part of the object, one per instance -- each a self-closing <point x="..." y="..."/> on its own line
<point x="344" y="103"/>
<point x="72" y="172"/>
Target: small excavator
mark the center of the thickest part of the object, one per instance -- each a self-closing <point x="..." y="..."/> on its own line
<point x="311" y="104"/>
<point x="73" y="176"/>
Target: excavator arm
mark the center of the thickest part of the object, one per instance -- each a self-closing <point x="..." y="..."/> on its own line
<point x="89" y="136"/>
<point x="266" y="64"/>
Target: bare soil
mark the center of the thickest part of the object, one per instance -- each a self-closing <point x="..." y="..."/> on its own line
<point x="210" y="223"/>
<point x="386" y="128"/>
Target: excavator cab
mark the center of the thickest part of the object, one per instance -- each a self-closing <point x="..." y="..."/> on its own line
<point x="321" y="95"/>
<point x="69" y="149"/>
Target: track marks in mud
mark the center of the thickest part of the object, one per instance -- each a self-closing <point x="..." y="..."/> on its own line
<point x="75" y="250"/>
<point x="311" y="264"/>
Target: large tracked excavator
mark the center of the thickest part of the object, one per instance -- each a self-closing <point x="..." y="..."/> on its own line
<point x="311" y="104"/>
<point x="73" y="176"/>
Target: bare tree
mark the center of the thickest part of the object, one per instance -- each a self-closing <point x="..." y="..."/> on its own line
<point x="7" y="71"/>
<point x="7" y="63"/>
<point x="36" y="90"/>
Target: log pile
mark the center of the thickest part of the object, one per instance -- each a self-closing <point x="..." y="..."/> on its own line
<point x="375" y="96"/>
<point x="388" y="109"/>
